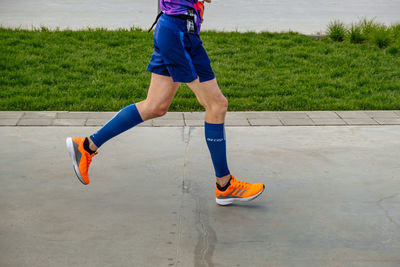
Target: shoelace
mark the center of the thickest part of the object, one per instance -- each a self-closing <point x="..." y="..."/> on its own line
<point x="241" y="184"/>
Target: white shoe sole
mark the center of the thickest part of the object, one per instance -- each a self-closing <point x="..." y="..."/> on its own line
<point x="71" y="150"/>
<point x="227" y="201"/>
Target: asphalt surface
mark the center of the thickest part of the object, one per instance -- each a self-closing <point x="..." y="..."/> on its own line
<point x="332" y="198"/>
<point x="304" y="16"/>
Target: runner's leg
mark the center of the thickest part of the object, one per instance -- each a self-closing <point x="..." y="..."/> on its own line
<point x="159" y="97"/>
<point x="161" y="92"/>
<point x="211" y="98"/>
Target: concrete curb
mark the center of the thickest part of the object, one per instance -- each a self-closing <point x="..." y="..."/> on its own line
<point x="179" y="119"/>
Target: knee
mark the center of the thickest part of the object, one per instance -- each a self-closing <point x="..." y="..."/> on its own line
<point x="155" y="111"/>
<point x="220" y="105"/>
<point x="224" y="103"/>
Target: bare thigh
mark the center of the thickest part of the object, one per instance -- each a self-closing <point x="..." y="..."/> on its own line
<point x="159" y="97"/>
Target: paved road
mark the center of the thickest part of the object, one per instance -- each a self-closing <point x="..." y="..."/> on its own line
<point x="332" y="198"/>
<point x="305" y="16"/>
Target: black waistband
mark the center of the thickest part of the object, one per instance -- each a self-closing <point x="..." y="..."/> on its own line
<point x="181" y="16"/>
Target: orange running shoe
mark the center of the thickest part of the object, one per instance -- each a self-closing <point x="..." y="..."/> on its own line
<point x="238" y="191"/>
<point x="81" y="159"/>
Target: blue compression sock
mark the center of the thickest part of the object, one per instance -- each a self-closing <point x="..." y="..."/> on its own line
<point x="215" y="138"/>
<point x="125" y="119"/>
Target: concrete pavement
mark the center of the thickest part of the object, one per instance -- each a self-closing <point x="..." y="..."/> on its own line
<point x="178" y="119"/>
<point x="332" y="196"/>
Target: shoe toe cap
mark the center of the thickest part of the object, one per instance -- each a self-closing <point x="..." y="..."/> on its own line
<point x="260" y="187"/>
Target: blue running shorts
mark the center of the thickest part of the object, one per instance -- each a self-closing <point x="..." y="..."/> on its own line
<point x="178" y="53"/>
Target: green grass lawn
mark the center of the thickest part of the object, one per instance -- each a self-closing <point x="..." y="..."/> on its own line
<point x="99" y="70"/>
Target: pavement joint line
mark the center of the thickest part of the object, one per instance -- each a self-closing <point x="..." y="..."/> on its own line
<point x="339" y="116"/>
<point x="387" y="213"/>
<point x="183" y="118"/>
<point x="19" y="119"/>
<point x="186" y="140"/>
